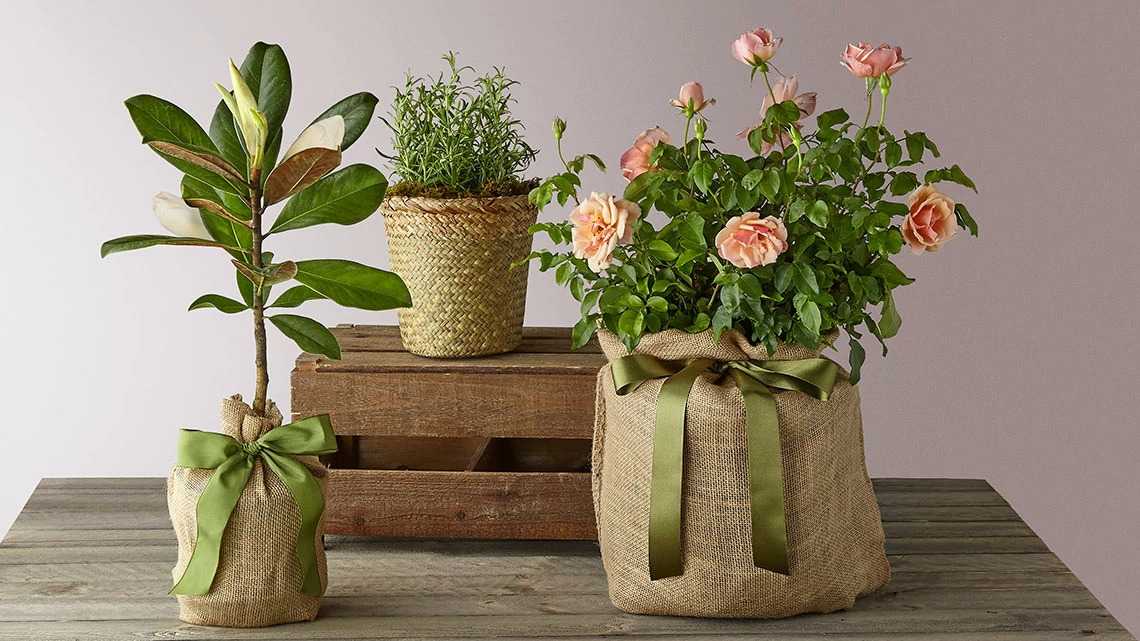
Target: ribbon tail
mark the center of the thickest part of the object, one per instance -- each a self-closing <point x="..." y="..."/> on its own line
<point x="212" y="514"/>
<point x="765" y="475"/>
<point x="668" y="472"/>
<point x="311" y="502"/>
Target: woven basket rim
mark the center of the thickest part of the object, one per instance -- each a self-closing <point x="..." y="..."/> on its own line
<point x="439" y="202"/>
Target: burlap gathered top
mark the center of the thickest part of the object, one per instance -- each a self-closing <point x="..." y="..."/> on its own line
<point x="259" y="577"/>
<point x="835" y="536"/>
<point x="455" y="256"/>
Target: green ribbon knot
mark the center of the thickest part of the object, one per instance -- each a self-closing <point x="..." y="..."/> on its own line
<point x="232" y="463"/>
<point x="755" y="379"/>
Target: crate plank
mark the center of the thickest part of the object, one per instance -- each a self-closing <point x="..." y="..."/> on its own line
<point x="461" y="504"/>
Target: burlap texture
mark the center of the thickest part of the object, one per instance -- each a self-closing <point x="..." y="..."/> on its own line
<point x="835" y="536"/>
<point x="259" y="577"/>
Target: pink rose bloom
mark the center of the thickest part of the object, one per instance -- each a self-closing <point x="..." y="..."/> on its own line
<point x="635" y="161"/>
<point x="755" y="47"/>
<point x="695" y="93"/>
<point x="747" y="241"/>
<point x="867" y="62"/>
<point x="784" y="89"/>
<point x="600" y="223"/>
<point x="931" y="222"/>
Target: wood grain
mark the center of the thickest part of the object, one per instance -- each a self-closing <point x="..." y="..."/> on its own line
<point x="91" y="559"/>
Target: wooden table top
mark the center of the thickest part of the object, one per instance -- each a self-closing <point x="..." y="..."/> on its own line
<point x="91" y="559"/>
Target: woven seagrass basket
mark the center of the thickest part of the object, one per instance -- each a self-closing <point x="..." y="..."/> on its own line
<point x="455" y="256"/>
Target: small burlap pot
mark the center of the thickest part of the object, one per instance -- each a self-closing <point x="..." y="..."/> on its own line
<point x="834" y="533"/>
<point x="455" y="256"/>
<point x="259" y="577"/>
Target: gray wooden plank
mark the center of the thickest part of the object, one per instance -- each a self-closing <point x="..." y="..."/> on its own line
<point x="150" y="483"/>
<point x="58" y="602"/>
<point x="851" y="622"/>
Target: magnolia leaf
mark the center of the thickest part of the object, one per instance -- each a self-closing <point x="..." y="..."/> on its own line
<point x="357" y="112"/>
<point x="224" y="134"/>
<point x="280" y="273"/>
<point x="250" y="273"/>
<point x="345" y="197"/>
<point x="199" y="157"/>
<point x="221" y="227"/>
<point x="298" y="172"/>
<point x="159" y="120"/>
<point x="218" y="302"/>
<point x="354" y="285"/>
<point x="129" y="243"/>
<point x="308" y="334"/>
<point x="294" y="296"/>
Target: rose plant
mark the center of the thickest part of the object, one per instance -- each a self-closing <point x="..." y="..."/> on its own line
<point x="232" y="175"/>
<point x="784" y="245"/>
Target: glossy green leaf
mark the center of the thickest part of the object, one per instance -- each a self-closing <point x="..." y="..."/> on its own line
<point x="266" y="71"/>
<point x="223" y="132"/>
<point x="856" y="359"/>
<point x="804" y="278"/>
<point x="295" y="296"/>
<point x="354" y="285"/>
<point x="222" y="229"/>
<point x="218" y="302"/>
<point x="809" y="313"/>
<point x="345" y="197"/>
<point x="357" y="111"/>
<point x="819" y="213"/>
<point x="308" y="334"/>
<point x="890" y="322"/>
<point x="129" y="243"/>
<point x="965" y="219"/>
<point x="158" y="120"/>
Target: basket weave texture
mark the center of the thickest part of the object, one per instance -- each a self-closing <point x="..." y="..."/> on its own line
<point x="455" y="256"/>
<point x="835" y="536"/>
<point x="259" y="576"/>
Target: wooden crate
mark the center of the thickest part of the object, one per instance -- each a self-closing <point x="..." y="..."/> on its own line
<point x="494" y="448"/>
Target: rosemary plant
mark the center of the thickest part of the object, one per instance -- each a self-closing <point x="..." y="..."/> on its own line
<point x="454" y="138"/>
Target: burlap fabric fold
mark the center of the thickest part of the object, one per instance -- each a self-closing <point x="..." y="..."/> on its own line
<point x="835" y="536"/>
<point x="259" y="577"/>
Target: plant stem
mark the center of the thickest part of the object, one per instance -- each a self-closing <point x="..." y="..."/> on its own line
<point x="883" y="114"/>
<point x="260" y="361"/>
<point x="867" y="118"/>
<point x="770" y="92"/>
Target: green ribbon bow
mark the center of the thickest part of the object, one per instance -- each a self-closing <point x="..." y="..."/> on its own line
<point x="232" y="463"/>
<point x="812" y="376"/>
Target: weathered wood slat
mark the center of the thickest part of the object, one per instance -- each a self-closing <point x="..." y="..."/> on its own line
<point x="150" y="483"/>
<point x="954" y="579"/>
<point x="45" y="602"/>
<point x="853" y="622"/>
<point x="386" y="338"/>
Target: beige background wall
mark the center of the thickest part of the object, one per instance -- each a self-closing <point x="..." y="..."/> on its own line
<point x="1018" y="356"/>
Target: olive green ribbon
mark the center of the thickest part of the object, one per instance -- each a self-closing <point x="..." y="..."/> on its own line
<point x="232" y="463"/>
<point x="755" y="379"/>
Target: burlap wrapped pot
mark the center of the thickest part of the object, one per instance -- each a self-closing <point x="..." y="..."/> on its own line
<point x="834" y="532"/>
<point x="455" y="256"/>
<point x="259" y="577"/>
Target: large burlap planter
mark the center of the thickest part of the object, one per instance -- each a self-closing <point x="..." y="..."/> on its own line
<point x="455" y="256"/>
<point x="259" y="577"/>
<point x="835" y="536"/>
